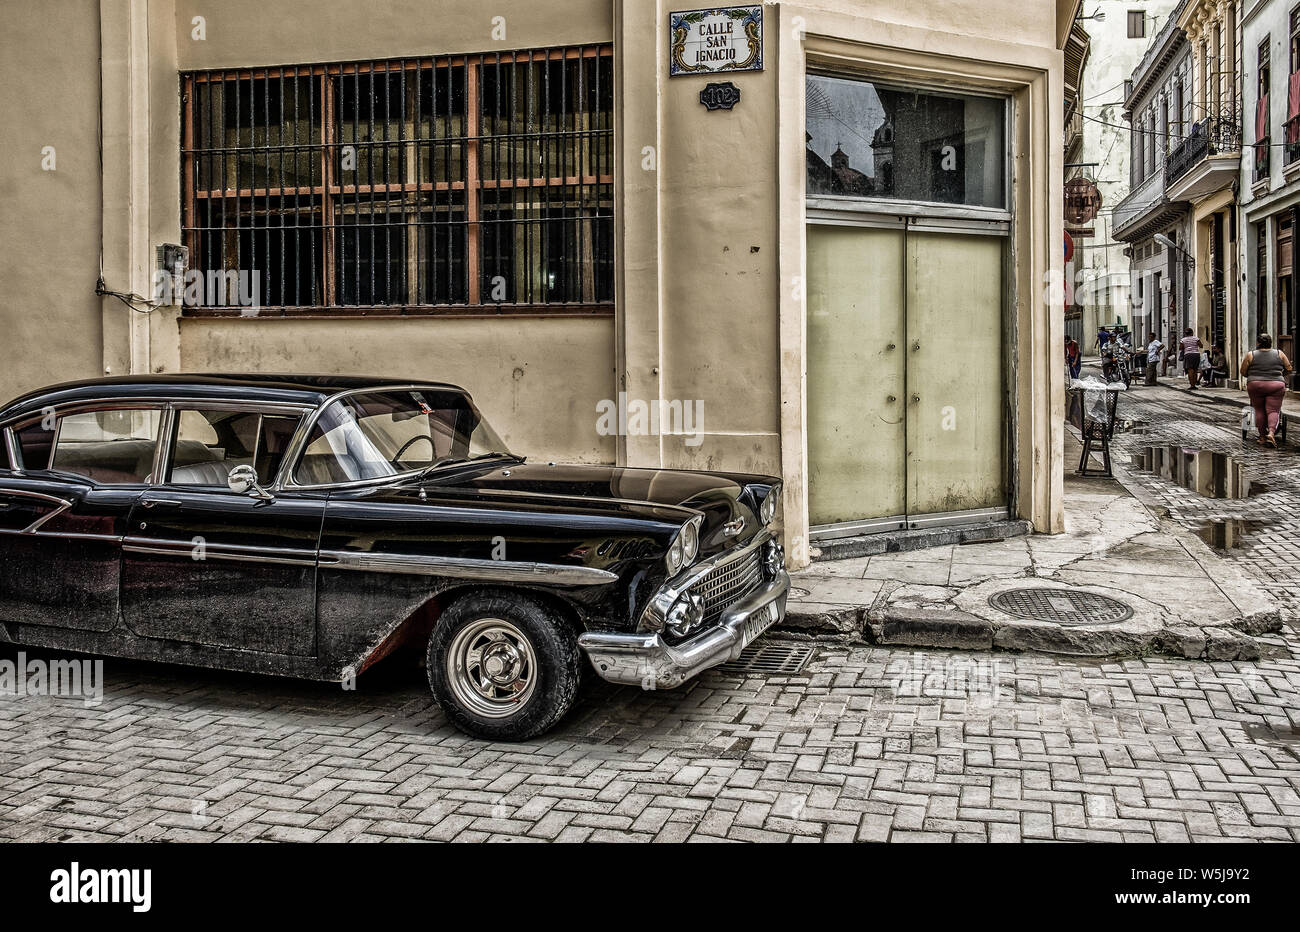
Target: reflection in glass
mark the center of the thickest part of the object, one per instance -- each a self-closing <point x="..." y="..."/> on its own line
<point x="870" y="140"/>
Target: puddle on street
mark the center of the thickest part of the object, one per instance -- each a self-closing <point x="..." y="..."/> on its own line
<point x="1225" y="533"/>
<point x="1209" y="474"/>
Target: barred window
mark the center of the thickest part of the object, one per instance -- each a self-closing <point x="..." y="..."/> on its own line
<point x="458" y="184"/>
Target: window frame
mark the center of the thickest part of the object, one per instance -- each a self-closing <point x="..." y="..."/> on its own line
<point x="166" y="461"/>
<point x="1139" y="17"/>
<point x="1293" y="34"/>
<point x="287" y="479"/>
<point x="59" y="412"/>
<point x="910" y="208"/>
<point x="327" y="192"/>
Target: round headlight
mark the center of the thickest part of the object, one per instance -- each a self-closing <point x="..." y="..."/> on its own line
<point x="674" y="557"/>
<point x="767" y="510"/>
<point x="690" y="538"/>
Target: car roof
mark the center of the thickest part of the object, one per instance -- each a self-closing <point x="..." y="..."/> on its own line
<point x="251" y="387"/>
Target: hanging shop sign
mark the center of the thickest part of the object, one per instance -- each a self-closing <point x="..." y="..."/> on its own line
<point x="1082" y="201"/>
<point x="726" y="38"/>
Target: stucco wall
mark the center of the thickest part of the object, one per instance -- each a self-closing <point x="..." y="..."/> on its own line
<point x="249" y="32"/>
<point x="49" y="247"/>
<point x="721" y="284"/>
<point x="538" y="381"/>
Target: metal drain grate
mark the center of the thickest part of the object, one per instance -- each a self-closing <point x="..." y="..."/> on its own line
<point x="1061" y="606"/>
<point x="771" y="658"/>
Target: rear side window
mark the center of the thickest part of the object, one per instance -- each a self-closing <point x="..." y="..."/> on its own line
<point x="114" y="446"/>
<point x="209" y="444"/>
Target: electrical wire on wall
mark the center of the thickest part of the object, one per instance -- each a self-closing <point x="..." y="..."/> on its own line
<point x="101" y="288"/>
<point x="127" y="298"/>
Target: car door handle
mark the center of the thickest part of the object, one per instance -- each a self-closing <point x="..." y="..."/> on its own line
<point x="150" y="502"/>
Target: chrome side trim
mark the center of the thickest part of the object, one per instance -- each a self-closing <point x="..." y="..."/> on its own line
<point x="64" y="535"/>
<point x="162" y="401"/>
<point x="550" y="574"/>
<point x="62" y="503"/>
<point x="655" y="613"/>
<point x="162" y="448"/>
<point x="240" y="554"/>
<point x="11" y="451"/>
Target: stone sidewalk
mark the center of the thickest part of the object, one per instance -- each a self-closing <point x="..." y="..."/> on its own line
<point x="1186" y="601"/>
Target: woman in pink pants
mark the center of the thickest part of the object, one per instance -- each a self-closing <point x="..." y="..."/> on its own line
<point x="1266" y="371"/>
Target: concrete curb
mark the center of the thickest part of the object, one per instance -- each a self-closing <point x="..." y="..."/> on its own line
<point x="952" y="629"/>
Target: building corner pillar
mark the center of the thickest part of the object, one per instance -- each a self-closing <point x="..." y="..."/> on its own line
<point x="126" y="263"/>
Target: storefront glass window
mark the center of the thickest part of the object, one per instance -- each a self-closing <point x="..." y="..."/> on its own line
<point x="866" y="139"/>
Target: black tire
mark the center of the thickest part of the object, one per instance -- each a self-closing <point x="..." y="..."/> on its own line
<point x="555" y="668"/>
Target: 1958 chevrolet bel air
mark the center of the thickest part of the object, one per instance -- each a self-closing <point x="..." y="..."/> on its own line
<point x="309" y="526"/>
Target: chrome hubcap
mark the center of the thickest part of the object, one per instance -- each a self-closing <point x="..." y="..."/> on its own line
<point x="492" y="668"/>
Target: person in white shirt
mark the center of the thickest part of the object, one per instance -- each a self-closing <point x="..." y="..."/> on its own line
<point x="1154" y="348"/>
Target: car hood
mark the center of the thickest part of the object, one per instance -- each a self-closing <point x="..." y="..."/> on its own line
<point x="721" y="498"/>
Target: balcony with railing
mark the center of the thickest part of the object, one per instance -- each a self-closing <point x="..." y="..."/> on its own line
<point x="1140" y="206"/>
<point x="1291" y="149"/>
<point x="1206" y="160"/>
<point x="1074" y="133"/>
<point x="1262" y="148"/>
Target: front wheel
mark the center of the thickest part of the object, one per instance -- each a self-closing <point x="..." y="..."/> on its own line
<point x="503" y="666"/>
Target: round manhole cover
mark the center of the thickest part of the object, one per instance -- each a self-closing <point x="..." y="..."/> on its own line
<point x="1061" y="606"/>
<point x="797" y="592"/>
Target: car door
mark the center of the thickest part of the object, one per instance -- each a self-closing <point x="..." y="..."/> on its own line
<point x="205" y="565"/>
<point x="69" y="483"/>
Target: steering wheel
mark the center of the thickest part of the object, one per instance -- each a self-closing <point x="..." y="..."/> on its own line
<point x="406" y="446"/>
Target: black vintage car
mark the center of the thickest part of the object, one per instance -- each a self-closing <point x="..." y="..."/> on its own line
<point x="309" y="526"/>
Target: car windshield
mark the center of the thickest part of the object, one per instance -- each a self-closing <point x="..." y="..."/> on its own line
<point x="373" y="435"/>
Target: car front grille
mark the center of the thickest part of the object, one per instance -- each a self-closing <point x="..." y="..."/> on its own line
<point x="724" y="585"/>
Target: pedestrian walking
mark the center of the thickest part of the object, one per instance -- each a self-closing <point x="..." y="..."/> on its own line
<point x="1103" y="338"/>
<point x="1266" y="370"/>
<point x="1154" y="348"/>
<point x="1073" y="358"/>
<point x="1190" y="345"/>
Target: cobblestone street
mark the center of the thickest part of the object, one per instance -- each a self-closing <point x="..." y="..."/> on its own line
<point x="1269" y="548"/>
<point x="864" y="743"/>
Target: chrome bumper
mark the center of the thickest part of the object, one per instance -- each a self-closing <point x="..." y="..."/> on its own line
<point x="646" y="660"/>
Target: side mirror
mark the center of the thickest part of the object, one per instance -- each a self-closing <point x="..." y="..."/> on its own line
<point x="243" y="481"/>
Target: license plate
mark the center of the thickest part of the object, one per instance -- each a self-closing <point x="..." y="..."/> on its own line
<point x="759" y="622"/>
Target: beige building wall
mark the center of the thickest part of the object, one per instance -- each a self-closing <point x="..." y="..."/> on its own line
<point x="49" y="243"/>
<point x="709" y="215"/>
<point x="538" y="381"/>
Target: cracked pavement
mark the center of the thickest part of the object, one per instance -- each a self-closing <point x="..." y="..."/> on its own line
<point x="1186" y="600"/>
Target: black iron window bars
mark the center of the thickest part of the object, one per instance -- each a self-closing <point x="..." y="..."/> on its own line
<point x="479" y="184"/>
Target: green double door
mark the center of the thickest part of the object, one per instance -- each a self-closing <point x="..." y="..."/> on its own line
<point x="906" y="388"/>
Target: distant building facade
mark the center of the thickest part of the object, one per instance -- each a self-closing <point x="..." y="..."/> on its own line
<point x="1204" y="168"/>
<point x="1270" y="172"/>
<point x="1158" y="106"/>
<point x="1101" y="268"/>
